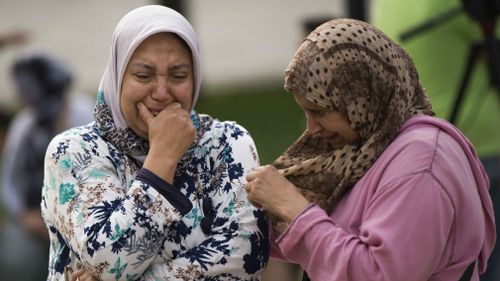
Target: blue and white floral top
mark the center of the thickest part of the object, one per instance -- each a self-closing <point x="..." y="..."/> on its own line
<point x="122" y="222"/>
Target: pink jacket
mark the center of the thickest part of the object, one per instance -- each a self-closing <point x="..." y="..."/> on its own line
<point x="421" y="212"/>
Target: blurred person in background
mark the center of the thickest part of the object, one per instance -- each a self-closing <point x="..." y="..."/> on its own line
<point x="376" y="188"/>
<point x="6" y="114"/>
<point x="48" y="107"/>
<point x="12" y="38"/>
<point x="152" y="190"/>
<point x="440" y="53"/>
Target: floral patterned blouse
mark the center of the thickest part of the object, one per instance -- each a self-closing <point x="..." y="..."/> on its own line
<point x="122" y="222"/>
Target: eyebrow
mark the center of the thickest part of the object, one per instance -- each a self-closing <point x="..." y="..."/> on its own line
<point x="150" y="67"/>
<point x="144" y="65"/>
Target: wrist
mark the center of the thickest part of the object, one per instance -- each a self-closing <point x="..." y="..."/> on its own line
<point x="162" y="167"/>
<point x="294" y="209"/>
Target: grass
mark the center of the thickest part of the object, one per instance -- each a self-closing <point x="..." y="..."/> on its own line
<point x="268" y="112"/>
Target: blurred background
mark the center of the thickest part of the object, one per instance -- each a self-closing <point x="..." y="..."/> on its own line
<point x="245" y="47"/>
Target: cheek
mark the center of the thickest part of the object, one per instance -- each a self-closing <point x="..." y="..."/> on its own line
<point x="349" y="133"/>
<point x="184" y="95"/>
<point x="129" y="99"/>
<point x="133" y="92"/>
<point x="340" y="126"/>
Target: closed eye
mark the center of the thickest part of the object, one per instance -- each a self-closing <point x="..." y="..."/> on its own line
<point x="143" y="77"/>
<point x="314" y="112"/>
<point x="179" y="76"/>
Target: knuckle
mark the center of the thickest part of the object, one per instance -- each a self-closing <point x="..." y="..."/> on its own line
<point x="269" y="168"/>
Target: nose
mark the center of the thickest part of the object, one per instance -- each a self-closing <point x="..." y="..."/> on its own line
<point x="313" y="126"/>
<point x="161" y="90"/>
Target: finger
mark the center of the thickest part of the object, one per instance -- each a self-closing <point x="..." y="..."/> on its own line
<point x="253" y="174"/>
<point x="248" y="188"/>
<point x="252" y="197"/>
<point x="254" y="202"/>
<point x="173" y="106"/>
<point x="250" y="177"/>
<point x="268" y="169"/>
<point x="185" y="116"/>
<point x="144" y="113"/>
<point x="77" y="274"/>
<point x="88" y="277"/>
<point x="256" y="205"/>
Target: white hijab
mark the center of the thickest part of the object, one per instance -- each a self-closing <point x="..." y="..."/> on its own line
<point x="131" y="31"/>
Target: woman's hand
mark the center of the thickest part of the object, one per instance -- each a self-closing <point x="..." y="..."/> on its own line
<point x="83" y="275"/>
<point x="269" y="190"/>
<point x="171" y="132"/>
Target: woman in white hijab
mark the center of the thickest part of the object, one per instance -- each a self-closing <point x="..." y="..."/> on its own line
<point x="152" y="190"/>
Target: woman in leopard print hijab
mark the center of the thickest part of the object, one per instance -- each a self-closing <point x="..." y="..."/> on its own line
<point x="353" y="69"/>
<point x="369" y="148"/>
<point x="357" y="71"/>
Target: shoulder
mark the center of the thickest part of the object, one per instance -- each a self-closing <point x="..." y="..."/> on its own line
<point x="425" y="145"/>
<point x="228" y="140"/>
<point x="82" y="139"/>
<point x="83" y="132"/>
<point x="229" y="132"/>
<point x="429" y="139"/>
<point x="412" y="150"/>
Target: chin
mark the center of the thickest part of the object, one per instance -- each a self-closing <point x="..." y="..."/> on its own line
<point x="144" y="135"/>
<point x="336" y="144"/>
<point x="140" y="133"/>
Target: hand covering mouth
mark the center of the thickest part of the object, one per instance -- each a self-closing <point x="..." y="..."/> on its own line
<point x="155" y="111"/>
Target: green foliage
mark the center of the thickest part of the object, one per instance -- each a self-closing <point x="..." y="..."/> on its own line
<point x="268" y="112"/>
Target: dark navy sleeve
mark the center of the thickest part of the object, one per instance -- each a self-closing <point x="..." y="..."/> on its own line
<point x="167" y="190"/>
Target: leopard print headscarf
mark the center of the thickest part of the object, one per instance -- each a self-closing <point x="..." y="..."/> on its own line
<point x="351" y="67"/>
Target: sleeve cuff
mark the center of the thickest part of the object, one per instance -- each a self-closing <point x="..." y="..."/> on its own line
<point x="173" y="195"/>
<point x="281" y="236"/>
<point x="293" y="237"/>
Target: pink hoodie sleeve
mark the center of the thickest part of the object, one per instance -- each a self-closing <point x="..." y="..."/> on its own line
<point x="404" y="231"/>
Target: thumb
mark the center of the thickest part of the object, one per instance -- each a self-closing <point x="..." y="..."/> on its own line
<point x="144" y="113"/>
<point x="77" y="274"/>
